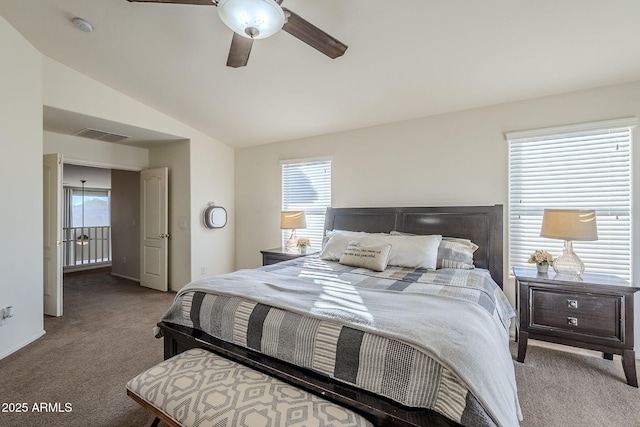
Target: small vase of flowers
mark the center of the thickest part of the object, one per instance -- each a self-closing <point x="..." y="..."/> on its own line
<point x="303" y="243"/>
<point x="542" y="260"/>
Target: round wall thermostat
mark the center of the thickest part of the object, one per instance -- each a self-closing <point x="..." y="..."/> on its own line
<point x="215" y="217"/>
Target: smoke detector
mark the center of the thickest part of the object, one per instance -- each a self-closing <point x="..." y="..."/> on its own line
<point x="82" y="25"/>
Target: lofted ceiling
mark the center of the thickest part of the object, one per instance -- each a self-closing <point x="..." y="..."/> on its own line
<point x="406" y="59"/>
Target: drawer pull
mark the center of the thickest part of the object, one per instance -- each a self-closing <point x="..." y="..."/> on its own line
<point x="572" y="303"/>
<point x="573" y="321"/>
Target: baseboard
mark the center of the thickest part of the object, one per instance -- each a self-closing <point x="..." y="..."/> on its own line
<point x="86" y="267"/>
<point x="125" y="277"/>
<point x="24" y="344"/>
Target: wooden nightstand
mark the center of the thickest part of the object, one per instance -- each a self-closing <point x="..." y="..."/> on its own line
<point x="272" y="256"/>
<point x="594" y="312"/>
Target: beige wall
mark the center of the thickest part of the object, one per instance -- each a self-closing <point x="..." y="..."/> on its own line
<point x="209" y="168"/>
<point x="212" y="181"/>
<point x="452" y="159"/>
<point x="89" y="152"/>
<point x="20" y="189"/>
<point x="175" y="157"/>
<point x="29" y="81"/>
<point x="125" y="224"/>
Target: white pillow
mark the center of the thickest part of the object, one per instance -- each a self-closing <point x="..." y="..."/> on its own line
<point x="373" y="257"/>
<point x="406" y="251"/>
<point x="414" y="251"/>
<point x="453" y="252"/>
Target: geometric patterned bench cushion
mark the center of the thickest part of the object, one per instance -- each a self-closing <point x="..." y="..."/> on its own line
<point x="200" y="388"/>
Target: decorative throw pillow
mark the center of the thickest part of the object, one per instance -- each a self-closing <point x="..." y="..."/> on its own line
<point x="373" y="257"/>
<point x="338" y="240"/>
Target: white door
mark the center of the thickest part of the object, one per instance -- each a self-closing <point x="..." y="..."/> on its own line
<point x="52" y="227"/>
<point x="154" y="228"/>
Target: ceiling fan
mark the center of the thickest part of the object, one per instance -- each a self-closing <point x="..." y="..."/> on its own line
<point x="258" y="19"/>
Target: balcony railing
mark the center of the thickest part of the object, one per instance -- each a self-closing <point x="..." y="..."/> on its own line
<point x="86" y="246"/>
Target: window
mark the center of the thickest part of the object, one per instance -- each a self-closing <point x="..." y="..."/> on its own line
<point x="96" y="208"/>
<point x="306" y="186"/>
<point x="584" y="166"/>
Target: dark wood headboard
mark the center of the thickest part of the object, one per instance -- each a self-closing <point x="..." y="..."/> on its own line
<point x="480" y="224"/>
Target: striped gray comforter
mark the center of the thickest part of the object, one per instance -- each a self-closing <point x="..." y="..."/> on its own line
<point x="427" y="339"/>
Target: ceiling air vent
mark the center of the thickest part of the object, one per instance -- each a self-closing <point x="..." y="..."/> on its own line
<point x="100" y="135"/>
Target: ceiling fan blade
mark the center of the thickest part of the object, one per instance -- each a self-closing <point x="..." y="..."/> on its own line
<point x="239" y="52"/>
<point x="312" y="35"/>
<point x="200" y="2"/>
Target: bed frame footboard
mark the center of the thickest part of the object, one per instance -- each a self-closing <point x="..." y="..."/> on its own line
<point x="379" y="410"/>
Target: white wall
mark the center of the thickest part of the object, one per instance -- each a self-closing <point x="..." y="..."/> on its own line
<point x="73" y="175"/>
<point x="452" y="159"/>
<point x="29" y="81"/>
<point x="212" y="171"/>
<point x="175" y="157"/>
<point x="210" y="168"/>
<point x="90" y="152"/>
<point x="20" y="189"/>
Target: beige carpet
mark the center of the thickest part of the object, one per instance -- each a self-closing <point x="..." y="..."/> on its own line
<point x="104" y="339"/>
<point x="560" y="386"/>
<point x="86" y="357"/>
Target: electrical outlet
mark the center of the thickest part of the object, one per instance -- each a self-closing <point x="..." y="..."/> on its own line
<point x="124" y="259"/>
<point x="203" y="270"/>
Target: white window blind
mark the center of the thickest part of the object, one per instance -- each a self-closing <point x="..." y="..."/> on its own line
<point x="577" y="167"/>
<point x="306" y="186"/>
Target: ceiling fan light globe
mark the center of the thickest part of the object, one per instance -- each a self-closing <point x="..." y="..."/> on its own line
<point x="256" y="19"/>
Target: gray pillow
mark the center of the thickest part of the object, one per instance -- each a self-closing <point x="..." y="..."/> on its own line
<point x="456" y="253"/>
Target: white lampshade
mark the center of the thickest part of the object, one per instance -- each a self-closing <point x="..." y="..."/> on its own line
<point x="569" y="224"/>
<point x="254" y="19"/>
<point x="291" y="220"/>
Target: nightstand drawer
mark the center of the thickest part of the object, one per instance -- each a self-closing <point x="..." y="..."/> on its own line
<point x="591" y="315"/>
<point x="545" y="299"/>
<point x="268" y="259"/>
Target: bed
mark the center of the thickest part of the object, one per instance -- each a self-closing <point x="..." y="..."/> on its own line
<point x="351" y="333"/>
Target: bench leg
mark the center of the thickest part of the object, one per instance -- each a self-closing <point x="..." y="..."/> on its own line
<point x="156" y="414"/>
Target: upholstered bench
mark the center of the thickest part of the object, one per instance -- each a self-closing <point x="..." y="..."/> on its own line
<point x="200" y="388"/>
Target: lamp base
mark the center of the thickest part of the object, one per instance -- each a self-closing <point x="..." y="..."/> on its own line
<point x="292" y="243"/>
<point x="568" y="263"/>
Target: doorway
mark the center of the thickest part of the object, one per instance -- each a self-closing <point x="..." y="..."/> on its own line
<point x="86" y="219"/>
<point x="111" y="220"/>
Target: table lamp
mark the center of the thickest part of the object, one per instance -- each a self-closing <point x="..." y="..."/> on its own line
<point x="569" y="225"/>
<point x="292" y="220"/>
